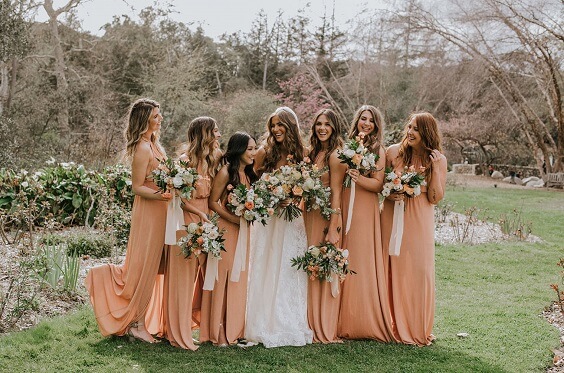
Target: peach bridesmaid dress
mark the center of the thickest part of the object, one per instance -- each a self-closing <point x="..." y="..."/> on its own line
<point x="121" y="295"/>
<point x="365" y="312"/>
<point x="322" y="307"/>
<point x="223" y="308"/>
<point x="412" y="273"/>
<point x="180" y="279"/>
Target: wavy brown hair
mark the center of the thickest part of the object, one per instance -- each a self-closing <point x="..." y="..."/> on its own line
<point x="292" y="143"/>
<point x="430" y="137"/>
<point x="137" y="123"/>
<point x="335" y="141"/>
<point x="201" y="145"/>
<point x="373" y="140"/>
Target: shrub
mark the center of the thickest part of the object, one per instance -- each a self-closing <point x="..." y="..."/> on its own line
<point x="81" y="243"/>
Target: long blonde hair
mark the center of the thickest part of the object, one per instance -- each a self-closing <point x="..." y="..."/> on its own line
<point x="292" y="143"/>
<point x="202" y="144"/>
<point x="373" y="140"/>
<point x="137" y="124"/>
<point x="430" y="137"/>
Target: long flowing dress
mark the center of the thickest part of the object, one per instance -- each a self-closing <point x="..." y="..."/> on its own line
<point x="412" y="273"/>
<point x="277" y="292"/>
<point x="223" y="308"/>
<point x="365" y="312"/>
<point x="180" y="279"/>
<point x="123" y="294"/>
<point x="322" y="306"/>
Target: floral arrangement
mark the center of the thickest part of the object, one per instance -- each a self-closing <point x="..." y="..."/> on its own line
<point x="315" y="195"/>
<point x="409" y="181"/>
<point x="176" y="175"/>
<point x="249" y="204"/>
<point x="295" y="181"/>
<point x="356" y="156"/>
<point x="324" y="262"/>
<point x="202" y="237"/>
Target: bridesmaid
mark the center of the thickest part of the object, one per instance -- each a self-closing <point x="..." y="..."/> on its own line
<point x="202" y="153"/>
<point x="122" y="295"/>
<point x="365" y="311"/>
<point x="412" y="273"/>
<point x="223" y="308"/>
<point x="325" y="140"/>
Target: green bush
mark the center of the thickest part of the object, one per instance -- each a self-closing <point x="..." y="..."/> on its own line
<point x="82" y="243"/>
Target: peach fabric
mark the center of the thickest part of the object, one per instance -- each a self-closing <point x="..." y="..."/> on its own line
<point x="365" y="312"/>
<point x="180" y="279"/>
<point x="123" y="294"/>
<point x="322" y="307"/>
<point x="412" y="273"/>
<point x="223" y="308"/>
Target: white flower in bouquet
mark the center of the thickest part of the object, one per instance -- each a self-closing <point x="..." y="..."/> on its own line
<point x="345" y="253"/>
<point x="349" y="153"/>
<point x="213" y="234"/>
<point x="192" y="228"/>
<point x="314" y="250"/>
<point x="177" y="181"/>
<point x="187" y="177"/>
<point x="309" y="184"/>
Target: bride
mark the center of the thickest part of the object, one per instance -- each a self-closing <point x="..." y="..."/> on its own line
<point x="277" y="292"/>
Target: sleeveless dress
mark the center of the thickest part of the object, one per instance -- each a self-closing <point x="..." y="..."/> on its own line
<point x="412" y="273"/>
<point x="322" y="307"/>
<point x="180" y="279"/>
<point x="365" y="312"/>
<point x="223" y="308"/>
<point x="277" y="292"/>
<point x="123" y="294"/>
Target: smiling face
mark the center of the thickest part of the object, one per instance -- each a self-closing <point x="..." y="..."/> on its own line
<point x="155" y="120"/>
<point x="412" y="134"/>
<point x="323" y="129"/>
<point x="277" y="129"/>
<point x="365" y="122"/>
<point x="216" y="134"/>
<point x="248" y="157"/>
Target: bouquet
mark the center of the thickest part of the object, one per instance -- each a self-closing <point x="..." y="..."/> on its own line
<point x="176" y="175"/>
<point x="409" y="181"/>
<point x="325" y="262"/>
<point x="295" y="181"/>
<point x="315" y="195"/>
<point x="203" y="237"/>
<point x="249" y="204"/>
<point x="356" y="156"/>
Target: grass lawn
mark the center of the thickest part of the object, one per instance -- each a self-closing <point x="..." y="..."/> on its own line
<point x="494" y="292"/>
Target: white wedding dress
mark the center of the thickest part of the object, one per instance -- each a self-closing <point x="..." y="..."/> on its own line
<point x="277" y="292"/>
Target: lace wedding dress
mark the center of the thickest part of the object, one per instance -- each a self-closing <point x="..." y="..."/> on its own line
<point x="277" y="292"/>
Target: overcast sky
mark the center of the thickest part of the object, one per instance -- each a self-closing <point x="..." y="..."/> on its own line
<point x="216" y="16"/>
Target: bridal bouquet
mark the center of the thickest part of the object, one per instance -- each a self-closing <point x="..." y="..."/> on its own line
<point x="325" y="262"/>
<point x="356" y="156"/>
<point x="409" y="181"/>
<point x="202" y="237"/>
<point x="175" y="175"/>
<point x="249" y="204"/>
<point x="315" y="195"/>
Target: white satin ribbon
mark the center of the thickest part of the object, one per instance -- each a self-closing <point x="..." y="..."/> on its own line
<point x="334" y="285"/>
<point x="351" y="206"/>
<point x="174" y="219"/>
<point x="211" y="272"/>
<point x="240" y="258"/>
<point x="397" y="229"/>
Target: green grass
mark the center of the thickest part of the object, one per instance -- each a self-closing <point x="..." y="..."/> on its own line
<point x="494" y="292"/>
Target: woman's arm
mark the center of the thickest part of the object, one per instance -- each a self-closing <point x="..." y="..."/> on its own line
<point x="219" y="184"/>
<point x="188" y="206"/>
<point x="141" y="159"/>
<point x="337" y="171"/>
<point x="375" y="181"/>
<point x="259" y="160"/>
<point x="436" y="187"/>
